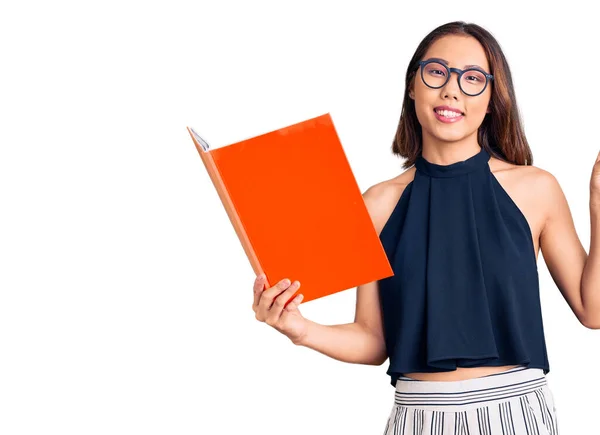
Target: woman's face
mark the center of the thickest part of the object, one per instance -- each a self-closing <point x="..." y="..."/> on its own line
<point x="459" y="52"/>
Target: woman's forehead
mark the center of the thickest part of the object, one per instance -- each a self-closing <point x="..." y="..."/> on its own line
<point x="459" y="51"/>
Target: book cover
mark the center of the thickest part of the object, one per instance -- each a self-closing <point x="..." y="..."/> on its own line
<point x="296" y="207"/>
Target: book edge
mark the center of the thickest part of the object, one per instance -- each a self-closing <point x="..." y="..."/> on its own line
<point x="236" y="221"/>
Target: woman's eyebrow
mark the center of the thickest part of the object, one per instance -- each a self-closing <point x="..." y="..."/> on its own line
<point x="445" y="62"/>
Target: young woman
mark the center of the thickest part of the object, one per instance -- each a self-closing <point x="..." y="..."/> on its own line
<point x="460" y="320"/>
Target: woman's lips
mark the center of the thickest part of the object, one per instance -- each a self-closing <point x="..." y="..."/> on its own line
<point x="448" y="120"/>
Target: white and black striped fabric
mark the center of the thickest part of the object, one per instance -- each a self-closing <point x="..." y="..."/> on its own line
<point x="514" y="402"/>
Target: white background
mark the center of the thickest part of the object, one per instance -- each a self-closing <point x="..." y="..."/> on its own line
<point x="125" y="304"/>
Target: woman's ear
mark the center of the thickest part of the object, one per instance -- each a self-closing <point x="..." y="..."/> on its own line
<point x="411" y="88"/>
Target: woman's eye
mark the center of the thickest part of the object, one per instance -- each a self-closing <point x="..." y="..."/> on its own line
<point x="436" y="72"/>
<point x="473" y="78"/>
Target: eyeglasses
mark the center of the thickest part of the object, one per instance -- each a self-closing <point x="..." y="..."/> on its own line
<point x="472" y="81"/>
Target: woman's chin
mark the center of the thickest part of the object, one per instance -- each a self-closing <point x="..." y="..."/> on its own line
<point x="449" y="136"/>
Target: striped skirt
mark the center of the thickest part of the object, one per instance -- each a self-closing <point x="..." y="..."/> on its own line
<point x="515" y="402"/>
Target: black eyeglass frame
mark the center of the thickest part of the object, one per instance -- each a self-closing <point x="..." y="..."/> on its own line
<point x="460" y="72"/>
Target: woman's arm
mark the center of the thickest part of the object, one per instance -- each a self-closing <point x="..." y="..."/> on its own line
<point x="352" y="342"/>
<point x="576" y="274"/>
<point x="590" y="280"/>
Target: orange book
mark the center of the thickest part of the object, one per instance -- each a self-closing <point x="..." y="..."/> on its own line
<point x="296" y="207"/>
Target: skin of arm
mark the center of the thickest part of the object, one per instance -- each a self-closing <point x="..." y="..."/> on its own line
<point x="575" y="273"/>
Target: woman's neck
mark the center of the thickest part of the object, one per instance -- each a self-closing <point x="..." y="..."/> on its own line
<point x="446" y="153"/>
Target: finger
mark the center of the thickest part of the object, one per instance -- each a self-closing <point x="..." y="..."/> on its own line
<point x="281" y="301"/>
<point x="267" y="300"/>
<point x="293" y="306"/>
<point x="259" y="285"/>
<point x="259" y="282"/>
<point x="286" y="296"/>
<point x="268" y="296"/>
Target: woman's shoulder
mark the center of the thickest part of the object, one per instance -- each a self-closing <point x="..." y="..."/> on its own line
<point x="381" y="198"/>
<point x="534" y="190"/>
<point x="526" y="181"/>
<point x="519" y="173"/>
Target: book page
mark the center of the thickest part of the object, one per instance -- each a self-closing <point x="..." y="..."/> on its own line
<point x="201" y="141"/>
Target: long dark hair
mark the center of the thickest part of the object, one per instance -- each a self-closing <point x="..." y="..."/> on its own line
<point x="501" y="132"/>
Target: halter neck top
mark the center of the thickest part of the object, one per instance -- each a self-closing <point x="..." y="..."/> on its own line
<point x="465" y="289"/>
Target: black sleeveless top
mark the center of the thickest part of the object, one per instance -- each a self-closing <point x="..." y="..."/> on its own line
<point x="465" y="290"/>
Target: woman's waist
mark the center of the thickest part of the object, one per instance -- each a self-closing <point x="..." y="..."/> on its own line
<point x="460" y="374"/>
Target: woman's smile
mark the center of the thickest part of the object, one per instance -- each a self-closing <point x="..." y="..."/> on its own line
<point x="448" y="114"/>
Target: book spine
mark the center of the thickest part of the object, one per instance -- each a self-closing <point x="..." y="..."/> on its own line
<point x="221" y="188"/>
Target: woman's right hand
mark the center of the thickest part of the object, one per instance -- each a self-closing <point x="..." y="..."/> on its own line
<point x="270" y="307"/>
